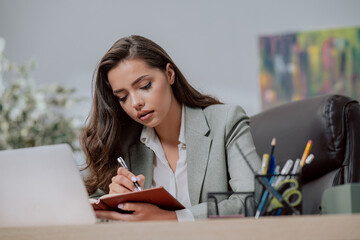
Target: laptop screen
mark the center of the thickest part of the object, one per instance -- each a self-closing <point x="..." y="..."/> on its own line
<point x="42" y="186"/>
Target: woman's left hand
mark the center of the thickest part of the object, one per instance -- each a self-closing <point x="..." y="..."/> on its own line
<point x="141" y="212"/>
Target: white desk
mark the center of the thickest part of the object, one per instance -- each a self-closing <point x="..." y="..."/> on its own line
<point x="302" y="227"/>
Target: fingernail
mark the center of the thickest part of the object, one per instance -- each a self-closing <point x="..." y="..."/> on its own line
<point x="138" y="178"/>
<point x="133" y="179"/>
<point x="120" y="205"/>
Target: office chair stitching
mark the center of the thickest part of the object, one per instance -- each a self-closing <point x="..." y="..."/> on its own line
<point x="328" y="110"/>
<point x="349" y="140"/>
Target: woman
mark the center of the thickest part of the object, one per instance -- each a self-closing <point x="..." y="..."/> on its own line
<point x="168" y="133"/>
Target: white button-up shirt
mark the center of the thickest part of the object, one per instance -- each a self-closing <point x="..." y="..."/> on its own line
<point x="175" y="183"/>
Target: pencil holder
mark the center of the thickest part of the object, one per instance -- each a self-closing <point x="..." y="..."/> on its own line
<point x="230" y="204"/>
<point x="278" y="194"/>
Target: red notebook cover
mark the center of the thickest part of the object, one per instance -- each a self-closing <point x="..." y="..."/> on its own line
<point x="157" y="196"/>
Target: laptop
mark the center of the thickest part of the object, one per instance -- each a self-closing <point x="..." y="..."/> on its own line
<point x="42" y="186"/>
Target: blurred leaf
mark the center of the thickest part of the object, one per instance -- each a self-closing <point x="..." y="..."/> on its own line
<point x="32" y="116"/>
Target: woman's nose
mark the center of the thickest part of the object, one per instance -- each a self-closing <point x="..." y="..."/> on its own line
<point x="137" y="101"/>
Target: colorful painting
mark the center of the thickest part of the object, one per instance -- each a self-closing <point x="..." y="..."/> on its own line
<point x="299" y="65"/>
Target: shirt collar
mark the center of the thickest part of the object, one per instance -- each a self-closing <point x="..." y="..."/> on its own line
<point x="182" y="126"/>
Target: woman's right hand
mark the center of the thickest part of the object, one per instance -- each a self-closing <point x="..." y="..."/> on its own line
<point x="123" y="182"/>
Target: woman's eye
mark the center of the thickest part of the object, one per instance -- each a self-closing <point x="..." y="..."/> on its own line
<point x="147" y="86"/>
<point x="122" y="99"/>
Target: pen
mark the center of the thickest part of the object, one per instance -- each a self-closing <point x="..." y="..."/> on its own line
<point x="306" y="153"/>
<point x="264" y="164"/>
<point x="263" y="200"/>
<point x="284" y="171"/>
<point x="296" y="167"/>
<point x="271" y="165"/>
<point x="123" y="164"/>
<point x="273" y="143"/>
<point x="265" y="195"/>
<point x="309" y="159"/>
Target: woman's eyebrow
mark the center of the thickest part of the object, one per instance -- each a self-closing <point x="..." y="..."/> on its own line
<point x="132" y="84"/>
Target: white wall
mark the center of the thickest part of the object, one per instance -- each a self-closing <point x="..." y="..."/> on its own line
<point x="213" y="42"/>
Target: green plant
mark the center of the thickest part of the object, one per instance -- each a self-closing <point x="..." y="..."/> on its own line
<point x="31" y="115"/>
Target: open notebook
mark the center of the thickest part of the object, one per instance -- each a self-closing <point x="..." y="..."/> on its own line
<point x="42" y="186"/>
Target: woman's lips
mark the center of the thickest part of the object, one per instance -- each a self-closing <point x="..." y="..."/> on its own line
<point x="144" y="115"/>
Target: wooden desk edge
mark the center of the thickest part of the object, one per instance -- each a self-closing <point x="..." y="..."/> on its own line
<point x="286" y="227"/>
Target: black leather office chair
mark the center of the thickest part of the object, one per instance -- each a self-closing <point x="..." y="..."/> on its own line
<point x="332" y="122"/>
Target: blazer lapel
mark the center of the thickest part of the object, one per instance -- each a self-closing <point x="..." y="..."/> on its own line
<point x="141" y="160"/>
<point x="197" y="150"/>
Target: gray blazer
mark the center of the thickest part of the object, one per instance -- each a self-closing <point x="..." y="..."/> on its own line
<point x="214" y="164"/>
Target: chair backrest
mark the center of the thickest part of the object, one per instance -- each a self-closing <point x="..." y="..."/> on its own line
<point x="332" y="122"/>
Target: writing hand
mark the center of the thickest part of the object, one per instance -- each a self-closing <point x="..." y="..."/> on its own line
<point x="124" y="181"/>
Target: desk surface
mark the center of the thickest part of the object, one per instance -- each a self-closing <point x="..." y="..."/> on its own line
<point x="301" y="227"/>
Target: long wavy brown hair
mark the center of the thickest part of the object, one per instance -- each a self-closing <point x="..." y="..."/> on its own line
<point x="102" y="134"/>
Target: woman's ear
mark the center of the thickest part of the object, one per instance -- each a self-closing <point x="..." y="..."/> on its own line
<point x="170" y="73"/>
